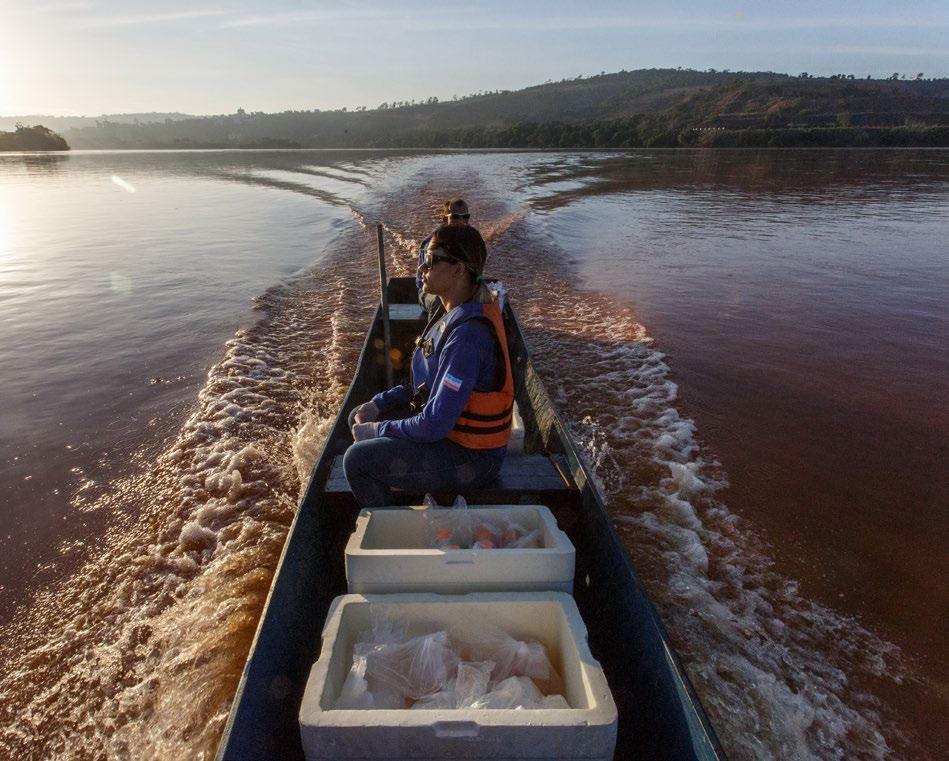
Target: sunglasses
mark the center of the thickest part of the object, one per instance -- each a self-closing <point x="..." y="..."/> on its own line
<point x="459" y="216"/>
<point x="431" y="260"/>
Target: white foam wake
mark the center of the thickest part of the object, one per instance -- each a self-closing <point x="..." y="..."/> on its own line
<point x="138" y="654"/>
<point x="778" y="673"/>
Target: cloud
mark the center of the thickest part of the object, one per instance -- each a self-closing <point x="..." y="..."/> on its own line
<point x="61" y="7"/>
<point x="312" y="17"/>
<point x="884" y="50"/>
<point x="150" y="18"/>
<point x="737" y="22"/>
<point x="486" y="22"/>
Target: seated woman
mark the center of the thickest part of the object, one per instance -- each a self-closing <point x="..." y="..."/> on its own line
<point x="461" y="389"/>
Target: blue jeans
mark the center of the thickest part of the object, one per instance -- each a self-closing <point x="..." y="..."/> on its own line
<point x="375" y="466"/>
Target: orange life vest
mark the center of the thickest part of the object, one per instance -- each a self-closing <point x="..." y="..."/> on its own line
<point x="485" y="422"/>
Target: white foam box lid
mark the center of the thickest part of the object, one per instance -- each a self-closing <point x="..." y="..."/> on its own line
<point x="389" y="552"/>
<point x="586" y="730"/>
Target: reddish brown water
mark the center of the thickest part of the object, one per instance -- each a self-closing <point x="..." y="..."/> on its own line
<point x="750" y="348"/>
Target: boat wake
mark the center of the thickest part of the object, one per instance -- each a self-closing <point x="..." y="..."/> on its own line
<point x="138" y="654"/>
<point x="780" y="675"/>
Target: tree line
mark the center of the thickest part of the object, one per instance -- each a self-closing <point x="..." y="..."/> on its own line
<point x="36" y="138"/>
<point x="644" y="108"/>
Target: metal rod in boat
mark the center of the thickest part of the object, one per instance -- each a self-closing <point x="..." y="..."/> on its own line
<point x="386" y="337"/>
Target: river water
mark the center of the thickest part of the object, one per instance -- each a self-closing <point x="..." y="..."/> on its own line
<point x="751" y="347"/>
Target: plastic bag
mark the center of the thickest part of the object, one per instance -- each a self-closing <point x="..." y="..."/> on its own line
<point x="527" y="540"/>
<point x="500" y="533"/>
<point x="469" y="686"/>
<point x="355" y="693"/>
<point x="472" y="682"/>
<point x="415" y="668"/>
<point x="391" y="667"/>
<point x="392" y="670"/>
<point x="513" y="692"/>
<point x="451" y="528"/>
<point x="509" y="534"/>
<point x="442" y="699"/>
<point x="486" y="535"/>
<point x="456" y="528"/>
<point x="554" y="701"/>
<point x="360" y="693"/>
<point x="483" y="642"/>
<point x="384" y="628"/>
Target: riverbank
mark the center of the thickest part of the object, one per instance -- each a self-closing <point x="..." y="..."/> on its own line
<point x="558" y="136"/>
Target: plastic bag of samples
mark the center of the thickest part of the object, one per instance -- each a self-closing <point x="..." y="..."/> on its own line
<point x="360" y="693"/>
<point x="513" y="692"/>
<point x="512" y="657"/>
<point x="501" y="533"/>
<point x="391" y="668"/>
<point x="355" y="693"/>
<point x="470" y="686"/>
<point x="394" y="670"/>
<point x="451" y="528"/>
<point x="512" y="535"/>
<point x="526" y="539"/>
<point x="415" y="668"/>
<point x="455" y="528"/>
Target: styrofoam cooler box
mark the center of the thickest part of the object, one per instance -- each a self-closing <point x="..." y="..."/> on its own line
<point x="390" y="552"/>
<point x="585" y="730"/>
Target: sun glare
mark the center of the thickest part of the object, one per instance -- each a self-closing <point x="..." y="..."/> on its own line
<point x="7" y="88"/>
<point x="124" y="184"/>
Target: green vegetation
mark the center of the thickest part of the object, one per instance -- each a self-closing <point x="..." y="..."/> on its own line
<point x="646" y="108"/>
<point x="651" y="133"/>
<point x="36" y="138"/>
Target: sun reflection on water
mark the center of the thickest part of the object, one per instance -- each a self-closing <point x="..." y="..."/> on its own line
<point x="124" y="184"/>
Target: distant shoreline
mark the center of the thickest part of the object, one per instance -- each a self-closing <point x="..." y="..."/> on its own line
<point x="646" y="108"/>
<point x="416" y="149"/>
<point x="897" y="137"/>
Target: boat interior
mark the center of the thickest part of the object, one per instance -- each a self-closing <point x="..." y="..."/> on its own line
<point x="659" y="715"/>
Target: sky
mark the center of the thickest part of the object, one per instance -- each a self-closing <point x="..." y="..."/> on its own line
<point x="215" y="56"/>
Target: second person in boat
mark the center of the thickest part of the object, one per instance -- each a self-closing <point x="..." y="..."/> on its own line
<point x="454" y="213"/>
<point x="460" y="395"/>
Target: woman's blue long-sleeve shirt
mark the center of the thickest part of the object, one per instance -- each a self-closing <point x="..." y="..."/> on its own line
<point x="467" y="361"/>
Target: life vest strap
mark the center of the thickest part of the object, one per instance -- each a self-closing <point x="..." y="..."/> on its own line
<point x="473" y="429"/>
<point x="488" y="418"/>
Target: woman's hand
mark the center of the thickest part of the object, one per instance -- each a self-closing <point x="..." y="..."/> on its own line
<point x="366" y="413"/>
<point x="364" y="431"/>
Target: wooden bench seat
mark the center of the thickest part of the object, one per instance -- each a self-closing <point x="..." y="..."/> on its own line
<point x="519" y="473"/>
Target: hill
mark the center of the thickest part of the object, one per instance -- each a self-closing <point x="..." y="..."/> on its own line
<point x="62" y="123"/>
<point x="36" y="138"/>
<point x="667" y="107"/>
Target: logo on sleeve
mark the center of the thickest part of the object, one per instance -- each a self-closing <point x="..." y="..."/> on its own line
<point x="451" y="382"/>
